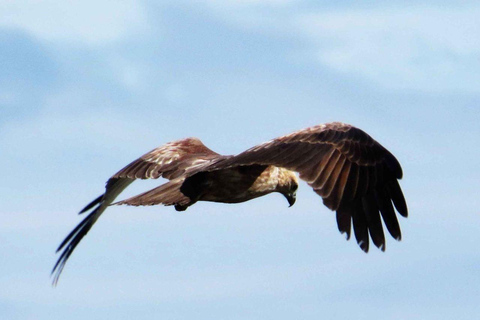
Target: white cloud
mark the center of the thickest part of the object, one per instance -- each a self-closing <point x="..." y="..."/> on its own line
<point x="86" y="21"/>
<point x="432" y="49"/>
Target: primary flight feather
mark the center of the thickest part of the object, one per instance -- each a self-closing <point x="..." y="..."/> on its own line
<point x="355" y="176"/>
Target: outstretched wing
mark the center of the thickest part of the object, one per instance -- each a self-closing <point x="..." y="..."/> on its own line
<point x="354" y="174"/>
<point x="170" y="161"/>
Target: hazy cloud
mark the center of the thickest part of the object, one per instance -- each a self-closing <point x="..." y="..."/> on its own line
<point x="87" y="21"/>
<point x="424" y="48"/>
<point x="421" y="48"/>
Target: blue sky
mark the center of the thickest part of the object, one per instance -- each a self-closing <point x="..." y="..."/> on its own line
<point x="88" y="86"/>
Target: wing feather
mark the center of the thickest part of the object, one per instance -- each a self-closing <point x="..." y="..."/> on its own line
<point x="388" y="213"/>
<point x="351" y="184"/>
<point x="167" y="161"/>
<point x="373" y="220"/>
<point x="170" y="161"/>
<point x="363" y="182"/>
<point x="397" y="197"/>
<point x="68" y="245"/>
<point x="301" y="153"/>
<point x="309" y="170"/>
<point x="308" y="163"/>
<point x="344" y="219"/>
<point x="326" y="171"/>
<point x="360" y="226"/>
<point x="354" y="174"/>
<point x="322" y="164"/>
<point x="329" y="185"/>
<point x="336" y="195"/>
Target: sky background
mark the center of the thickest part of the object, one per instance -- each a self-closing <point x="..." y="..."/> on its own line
<point x="88" y="86"/>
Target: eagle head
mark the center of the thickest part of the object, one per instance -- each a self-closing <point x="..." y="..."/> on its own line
<point x="291" y="197"/>
<point x="288" y="185"/>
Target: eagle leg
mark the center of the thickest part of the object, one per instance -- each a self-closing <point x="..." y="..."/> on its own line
<point x="179" y="207"/>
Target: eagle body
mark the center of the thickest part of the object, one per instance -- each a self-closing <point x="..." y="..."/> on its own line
<point x="232" y="185"/>
<point x="240" y="184"/>
<point x="355" y="176"/>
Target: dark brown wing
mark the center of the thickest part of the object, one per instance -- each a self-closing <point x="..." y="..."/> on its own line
<point x="354" y="174"/>
<point x="169" y="161"/>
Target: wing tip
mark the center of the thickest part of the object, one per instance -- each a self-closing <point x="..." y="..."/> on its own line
<point x="382" y="247"/>
<point x="92" y="204"/>
<point x="363" y="244"/>
<point x="402" y="210"/>
<point x="69" y="244"/>
<point x="393" y="164"/>
<point x="346" y="234"/>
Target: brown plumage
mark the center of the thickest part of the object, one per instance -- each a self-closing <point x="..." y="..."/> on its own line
<point x="354" y="175"/>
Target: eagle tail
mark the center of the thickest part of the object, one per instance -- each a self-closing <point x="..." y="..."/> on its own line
<point x="167" y="194"/>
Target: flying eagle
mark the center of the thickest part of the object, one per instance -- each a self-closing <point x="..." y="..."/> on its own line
<point x="355" y="176"/>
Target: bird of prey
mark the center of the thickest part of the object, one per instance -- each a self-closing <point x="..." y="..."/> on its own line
<point x="355" y="176"/>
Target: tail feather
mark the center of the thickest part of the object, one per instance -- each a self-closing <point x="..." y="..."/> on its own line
<point x="167" y="194"/>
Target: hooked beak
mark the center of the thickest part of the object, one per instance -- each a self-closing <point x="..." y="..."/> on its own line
<point x="291" y="197"/>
